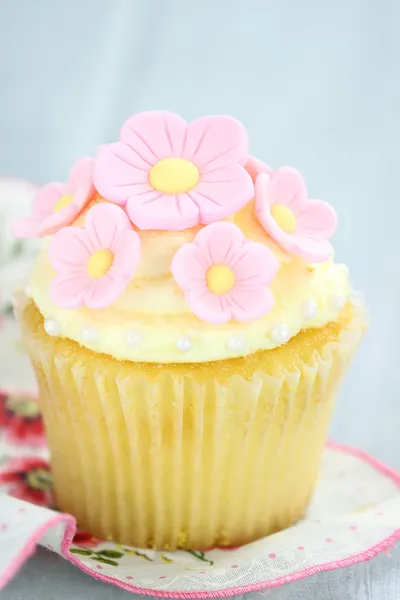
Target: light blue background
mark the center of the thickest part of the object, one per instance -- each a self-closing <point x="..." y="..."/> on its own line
<point x="315" y="82"/>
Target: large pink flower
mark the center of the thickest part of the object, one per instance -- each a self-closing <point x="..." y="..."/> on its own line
<point x="96" y="262"/>
<point x="171" y="175"/>
<point x="224" y="276"/>
<point x="297" y="224"/>
<point x="58" y="204"/>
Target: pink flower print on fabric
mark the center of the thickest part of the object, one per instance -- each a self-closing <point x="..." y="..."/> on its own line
<point x="298" y="225"/>
<point x="171" y="175"/>
<point x="224" y="276"/>
<point x="96" y="262"/>
<point x="58" y="204"/>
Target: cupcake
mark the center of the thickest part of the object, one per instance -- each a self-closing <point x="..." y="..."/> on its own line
<point x="189" y="330"/>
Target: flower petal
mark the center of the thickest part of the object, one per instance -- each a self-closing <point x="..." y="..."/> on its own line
<point x="317" y="216"/>
<point x="41" y="211"/>
<point x="220" y="194"/>
<point x="82" y="197"/>
<point x="104" y="291"/>
<point x="156" y="210"/>
<point x="25" y="228"/>
<point x="155" y="135"/>
<point x="81" y="173"/>
<point x="104" y="223"/>
<point x="220" y="243"/>
<point x="249" y="304"/>
<point x="311" y="247"/>
<point x="61" y="218"/>
<point x="216" y="142"/>
<point x="67" y="289"/>
<point x="256" y="267"/>
<point x="119" y="173"/>
<point x="209" y="307"/>
<point x="68" y="249"/>
<point x="126" y="255"/>
<point x="9" y="476"/>
<point x="286" y="186"/>
<point x="81" y="184"/>
<point x="262" y="211"/>
<point x="254" y="167"/>
<point x="189" y="267"/>
<point x="315" y="220"/>
<point x="44" y="203"/>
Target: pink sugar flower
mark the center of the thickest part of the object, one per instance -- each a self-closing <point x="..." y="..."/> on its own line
<point x="254" y="167"/>
<point x="172" y="175"/>
<point x="299" y="225"/>
<point x="58" y="204"/>
<point x="224" y="276"/>
<point x="94" y="263"/>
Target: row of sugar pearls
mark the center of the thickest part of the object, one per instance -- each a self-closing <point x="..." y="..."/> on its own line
<point x="234" y="343"/>
<point x="52" y="326"/>
<point x="278" y="333"/>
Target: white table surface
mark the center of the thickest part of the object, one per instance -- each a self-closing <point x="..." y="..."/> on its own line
<point x="316" y="84"/>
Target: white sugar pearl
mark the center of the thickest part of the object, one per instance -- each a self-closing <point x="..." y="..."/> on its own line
<point x="235" y="343"/>
<point x="52" y="326"/>
<point x="89" y="335"/>
<point x="357" y="299"/>
<point x="309" y="309"/>
<point x="133" y="338"/>
<point x="337" y="301"/>
<point x="279" y="333"/>
<point x="184" y="343"/>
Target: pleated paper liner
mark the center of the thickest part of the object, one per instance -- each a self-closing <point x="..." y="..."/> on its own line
<point x="188" y="456"/>
<point x="354" y="515"/>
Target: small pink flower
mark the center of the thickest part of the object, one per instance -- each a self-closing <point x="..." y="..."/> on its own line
<point x="171" y="175"/>
<point x="224" y="276"/>
<point x="96" y="262"/>
<point x="254" y="167"/>
<point x="297" y="224"/>
<point x="58" y="204"/>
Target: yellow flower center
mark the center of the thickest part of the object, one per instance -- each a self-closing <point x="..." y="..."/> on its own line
<point x="284" y="217"/>
<point x="63" y="202"/>
<point x="99" y="263"/>
<point x="220" y="279"/>
<point x="174" y="176"/>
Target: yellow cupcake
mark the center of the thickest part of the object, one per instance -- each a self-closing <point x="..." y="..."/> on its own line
<point x="187" y="387"/>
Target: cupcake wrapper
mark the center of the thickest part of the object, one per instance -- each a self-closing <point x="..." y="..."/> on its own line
<point x="169" y="460"/>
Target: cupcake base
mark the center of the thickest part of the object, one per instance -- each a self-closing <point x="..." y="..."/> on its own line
<point x="188" y="455"/>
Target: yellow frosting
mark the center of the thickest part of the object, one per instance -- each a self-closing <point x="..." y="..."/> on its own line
<point x="152" y="321"/>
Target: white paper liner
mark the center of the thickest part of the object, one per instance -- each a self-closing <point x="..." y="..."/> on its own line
<point x="169" y="461"/>
<point x="355" y="514"/>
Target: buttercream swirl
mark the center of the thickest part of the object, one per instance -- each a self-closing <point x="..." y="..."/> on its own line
<point x="153" y="310"/>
